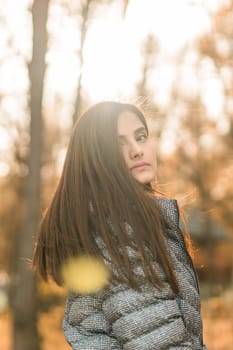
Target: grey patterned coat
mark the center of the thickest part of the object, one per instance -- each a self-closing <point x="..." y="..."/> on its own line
<point x="122" y="318"/>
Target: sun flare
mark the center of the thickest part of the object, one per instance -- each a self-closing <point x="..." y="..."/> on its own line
<point x="85" y="274"/>
<point x="112" y="52"/>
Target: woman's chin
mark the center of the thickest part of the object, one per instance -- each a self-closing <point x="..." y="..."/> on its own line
<point x="144" y="179"/>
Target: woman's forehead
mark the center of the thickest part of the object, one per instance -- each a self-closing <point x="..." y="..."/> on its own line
<point x="129" y="122"/>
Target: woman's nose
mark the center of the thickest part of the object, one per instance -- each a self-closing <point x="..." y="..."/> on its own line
<point x="135" y="151"/>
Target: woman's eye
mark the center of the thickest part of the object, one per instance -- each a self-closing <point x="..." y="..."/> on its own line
<point x="141" y="137"/>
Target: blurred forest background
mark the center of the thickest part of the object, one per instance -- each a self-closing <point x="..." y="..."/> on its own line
<point x="57" y="57"/>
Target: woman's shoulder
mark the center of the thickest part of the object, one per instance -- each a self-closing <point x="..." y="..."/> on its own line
<point x="169" y="209"/>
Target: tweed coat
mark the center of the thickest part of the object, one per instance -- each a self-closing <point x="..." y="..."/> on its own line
<point x="122" y="318"/>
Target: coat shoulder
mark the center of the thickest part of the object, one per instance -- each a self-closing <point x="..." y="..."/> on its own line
<point x="169" y="209"/>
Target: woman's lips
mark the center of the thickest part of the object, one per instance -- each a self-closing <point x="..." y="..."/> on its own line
<point x="140" y="166"/>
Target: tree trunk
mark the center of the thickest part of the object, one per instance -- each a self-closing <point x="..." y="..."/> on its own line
<point x="24" y="301"/>
<point x="83" y="31"/>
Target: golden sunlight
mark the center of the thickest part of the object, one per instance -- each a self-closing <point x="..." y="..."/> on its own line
<point x="85" y="274"/>
<point x="112" y="53"/>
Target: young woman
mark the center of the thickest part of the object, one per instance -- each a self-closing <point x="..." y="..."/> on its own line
<point x="105" y="205"/>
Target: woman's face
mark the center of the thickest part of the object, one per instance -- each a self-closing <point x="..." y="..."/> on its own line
<point x="137" y="147"/>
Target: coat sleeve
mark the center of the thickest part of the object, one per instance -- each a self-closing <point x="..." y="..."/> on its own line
<point x="124" y="319"/>
<point x="142" y="320"/>
<point x="85" y="326"/>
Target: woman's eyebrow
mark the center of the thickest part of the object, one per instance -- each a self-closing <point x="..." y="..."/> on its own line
<point x="136" y="131"/>
<point x="141" y="129"/>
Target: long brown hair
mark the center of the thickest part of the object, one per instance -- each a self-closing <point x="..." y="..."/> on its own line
<point x="97" y="195"/>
